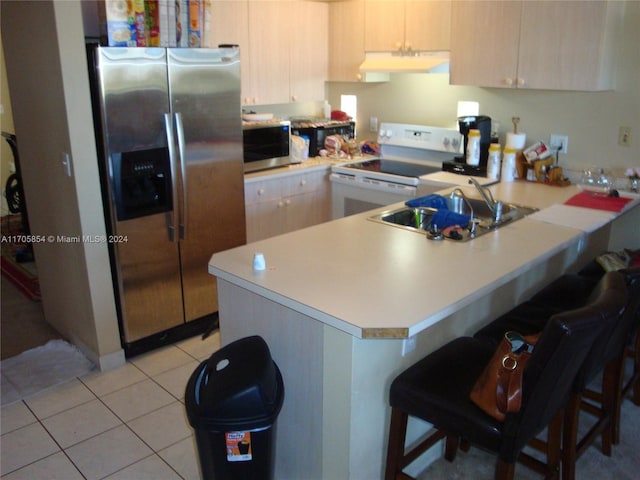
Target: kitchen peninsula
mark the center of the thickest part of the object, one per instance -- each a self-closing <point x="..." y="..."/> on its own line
<point x="339" y="302"/>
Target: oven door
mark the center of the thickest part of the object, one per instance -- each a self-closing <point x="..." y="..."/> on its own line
<point x="351" y="196"/>
<point x="352" y="199"/>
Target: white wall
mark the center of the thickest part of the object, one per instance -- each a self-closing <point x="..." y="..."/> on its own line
<point x="591" y="120"/>
<point x="7" y="164"/>
<point x="48" y="78"/>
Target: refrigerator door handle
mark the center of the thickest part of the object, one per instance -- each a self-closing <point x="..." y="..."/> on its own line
<point x="171" y="215"/>
<point x="183" y="176"/>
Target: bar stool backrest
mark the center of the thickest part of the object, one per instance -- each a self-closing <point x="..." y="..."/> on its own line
<point x="630" y="320"/>
<point x="611" y="297"/>
<point x="564" y="344"/>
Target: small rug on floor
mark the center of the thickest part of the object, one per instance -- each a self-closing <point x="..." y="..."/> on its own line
<point x="41" y="368"/>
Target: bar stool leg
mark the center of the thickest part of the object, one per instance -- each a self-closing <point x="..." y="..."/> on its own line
<point x="635" y="355"/>
<point x="570" y="437"/>
<point x="505" y="471"/>
<point x="619" y="398"/>
<point x="451" y="447"/>
<point x="395" y="449"/>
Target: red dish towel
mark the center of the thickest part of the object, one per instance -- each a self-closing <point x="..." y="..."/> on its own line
<point x="612" y="204"/>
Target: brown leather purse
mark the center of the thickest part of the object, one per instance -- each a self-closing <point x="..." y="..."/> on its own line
<point x="498" y="389"/>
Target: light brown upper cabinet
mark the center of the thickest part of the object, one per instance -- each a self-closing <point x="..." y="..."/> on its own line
<point x="407" y="25"/>
<point x="557" y="45"/>
<point x="308" y="25"/>
<point x="268" y="53"/>
<point x="283" y="47"/>
<point x="346" y="40"/>
<point x="230" y="25"/>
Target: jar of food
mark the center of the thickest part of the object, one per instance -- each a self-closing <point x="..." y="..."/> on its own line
<point x="473" y="147"/>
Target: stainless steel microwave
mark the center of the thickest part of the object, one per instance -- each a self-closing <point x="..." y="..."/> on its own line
<point x="266" y="144"/>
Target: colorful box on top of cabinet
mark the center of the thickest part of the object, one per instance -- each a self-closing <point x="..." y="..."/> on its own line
<point x="155" y="23"/>
<point x="120" y="21"/>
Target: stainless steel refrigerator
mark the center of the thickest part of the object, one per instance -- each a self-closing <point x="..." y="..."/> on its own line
<point x="169" y="136"/>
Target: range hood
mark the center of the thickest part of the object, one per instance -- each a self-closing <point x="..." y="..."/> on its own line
<point x="405" y="62"/>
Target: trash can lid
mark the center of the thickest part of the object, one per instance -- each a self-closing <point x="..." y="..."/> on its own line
<point x="238" y="387"/>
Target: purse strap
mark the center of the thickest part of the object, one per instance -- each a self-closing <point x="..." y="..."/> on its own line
<point x="509" y="386"/>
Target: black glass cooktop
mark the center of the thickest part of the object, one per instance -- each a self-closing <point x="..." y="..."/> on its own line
<point x="394" y="167"/>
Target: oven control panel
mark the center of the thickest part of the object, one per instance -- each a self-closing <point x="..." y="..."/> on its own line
<point x="437" y="139"/>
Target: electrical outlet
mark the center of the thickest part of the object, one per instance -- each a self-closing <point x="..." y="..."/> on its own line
<point x="556" y="141"/>
<point x="408" y="345"/>
<point x="373" y="124"/>
<point x="624" y="136"/>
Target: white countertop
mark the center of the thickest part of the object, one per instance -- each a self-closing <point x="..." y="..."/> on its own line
<point x="356" y="275"/>
<point x="309" y="165"/>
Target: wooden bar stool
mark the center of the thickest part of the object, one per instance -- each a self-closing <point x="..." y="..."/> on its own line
<point x="605" y="356"/>
<point x="437" y="389"/>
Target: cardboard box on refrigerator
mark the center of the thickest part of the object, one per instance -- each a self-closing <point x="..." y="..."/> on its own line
<point x="140" y="22"/>
<point x="182" y="23"/>
<point x="167" y="13"/>
<point x="196" y="22"/>
<point x="152" y="11"/>
<point x="119" y="17"/>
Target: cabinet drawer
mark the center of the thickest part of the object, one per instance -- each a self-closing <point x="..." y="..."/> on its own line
<point x="263" y="191"/>
<point x="306" y="182"/>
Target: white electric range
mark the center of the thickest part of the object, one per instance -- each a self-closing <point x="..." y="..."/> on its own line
<point x="410" y="165"/>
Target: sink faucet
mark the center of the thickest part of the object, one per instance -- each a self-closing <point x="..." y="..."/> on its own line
<point x="472" y="221"/>
<point x="487" y="196"/>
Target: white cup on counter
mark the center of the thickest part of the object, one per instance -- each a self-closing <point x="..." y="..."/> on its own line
<point x="259" y="262"/>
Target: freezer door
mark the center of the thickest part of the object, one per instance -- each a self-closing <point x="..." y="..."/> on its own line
<point x="205" y="100"/>
<point x="134" y="100"/>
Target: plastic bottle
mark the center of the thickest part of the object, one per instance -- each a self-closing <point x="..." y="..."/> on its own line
<point x="508" y="165"/>
<point x="473" y="147"/>
<point x="493" y="164"/>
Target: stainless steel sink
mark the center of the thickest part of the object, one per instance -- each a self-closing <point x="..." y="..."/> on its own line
<point x="418" y="219"/>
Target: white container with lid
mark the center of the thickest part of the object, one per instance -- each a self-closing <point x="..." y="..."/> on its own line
<point x="493" y="163"/>
<point x="509" y="173"/>
<point x="473" y="147"/>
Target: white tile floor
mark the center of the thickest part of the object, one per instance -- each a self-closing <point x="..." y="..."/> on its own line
<point x="128" y="423"/>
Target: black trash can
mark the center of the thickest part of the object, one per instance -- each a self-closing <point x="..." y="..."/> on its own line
<point x="233" y="400"/>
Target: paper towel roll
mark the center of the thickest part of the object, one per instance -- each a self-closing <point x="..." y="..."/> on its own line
<point x="516" y="140"/>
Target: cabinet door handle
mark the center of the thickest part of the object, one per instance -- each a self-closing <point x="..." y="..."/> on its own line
<point x="508" y="81"/>
<point x="520" y="82"/>
<point x="303" y="182"/>
<point x="261" y="191"/>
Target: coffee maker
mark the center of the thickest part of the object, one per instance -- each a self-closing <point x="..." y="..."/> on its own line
<point x="459" y="164"/>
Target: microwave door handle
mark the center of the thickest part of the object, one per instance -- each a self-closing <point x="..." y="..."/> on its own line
<point x="183" y="176"/>
<point x="171" y="215"/>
